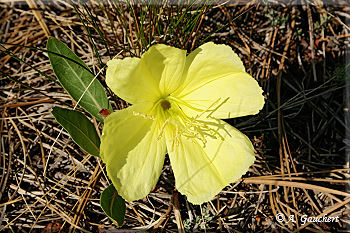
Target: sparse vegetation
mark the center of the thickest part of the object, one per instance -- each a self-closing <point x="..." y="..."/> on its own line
<point x="298" y="55"/>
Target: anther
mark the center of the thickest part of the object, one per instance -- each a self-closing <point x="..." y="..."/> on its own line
<point x="165" y="104"/>
<point x="146" y="116"/>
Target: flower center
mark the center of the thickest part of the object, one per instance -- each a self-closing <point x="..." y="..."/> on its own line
<point x="165" y="105"/>
<point x="179" y="124"/>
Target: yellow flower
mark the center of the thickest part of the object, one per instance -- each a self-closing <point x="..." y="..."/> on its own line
<point x="177" y="103"/>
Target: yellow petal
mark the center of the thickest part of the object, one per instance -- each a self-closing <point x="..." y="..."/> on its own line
<point x="231" y="96"/>
<point x="202" y="172"/>
<point x="133" y="156"/>
<point x="166" y="64"/>
<point x="131" y="80"/>
<point x="157" y="73"/>
<point x="207" y="63"/>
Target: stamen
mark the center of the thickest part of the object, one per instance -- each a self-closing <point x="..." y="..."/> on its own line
<point x="181" y="125"/>
<point x="207" y="109"/>
<point x="146" y="116"/>
<point x="217" y="107"/>
<point x="162" y="129"/>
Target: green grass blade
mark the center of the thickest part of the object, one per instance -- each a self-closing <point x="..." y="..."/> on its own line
<point x="14" y="56"/>
<point x="85" y="25"/>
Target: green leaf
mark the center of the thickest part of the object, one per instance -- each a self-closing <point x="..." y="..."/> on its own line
<point x="76" y="77"/>
<point x="80" y="129"/>
<point x="113" y="205"/>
